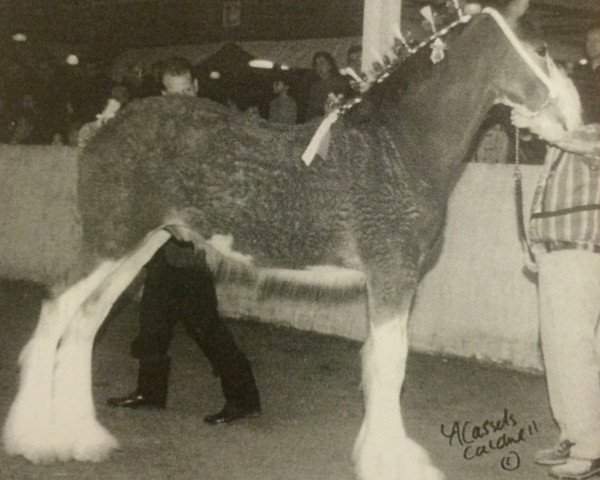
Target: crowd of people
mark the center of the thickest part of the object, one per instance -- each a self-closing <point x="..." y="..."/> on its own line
<point x="44" y="101"/>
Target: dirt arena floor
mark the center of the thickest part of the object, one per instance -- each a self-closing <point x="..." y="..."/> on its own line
<point x="312" y="408"/>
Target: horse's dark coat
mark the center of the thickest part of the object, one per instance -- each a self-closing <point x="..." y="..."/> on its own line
<point x="376" y="203"/>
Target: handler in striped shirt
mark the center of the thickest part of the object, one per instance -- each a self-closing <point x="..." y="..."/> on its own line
<point x="565" y="233"/>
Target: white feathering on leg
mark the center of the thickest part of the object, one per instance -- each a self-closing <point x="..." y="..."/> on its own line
<point x="29" y="426"/>
<point x="29" y="429"/>
<point x="81" y="436"/>
<point x="382" y="449"/>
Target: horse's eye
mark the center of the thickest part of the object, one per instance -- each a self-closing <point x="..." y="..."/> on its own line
<point x="542" y="50"/>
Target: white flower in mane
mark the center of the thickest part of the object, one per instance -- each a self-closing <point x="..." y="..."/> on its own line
<point x="111" y="109"/>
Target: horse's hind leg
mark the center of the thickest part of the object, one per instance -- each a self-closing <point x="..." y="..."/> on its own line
<point x="80" y="436"/>
<point x="382" y="449"/>
<point x="29" y="427"/>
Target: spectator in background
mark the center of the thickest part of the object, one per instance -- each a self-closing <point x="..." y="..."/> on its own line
<point x="28" y="123"/>
<point x="177" y="78"/>
<point x="328" y="81"/>
<point x="119" y="96"/>
<point x="354" y="59"/>
<point x="154" y="78"/>
<point x="18" y="119"/>
<point x="83" y="97"/>
<point x="283" y="108"/>
<point x="6" y="120"/>
<point x="587" y="77"/>
<point x="51" y="100"/>
<point x="353" y="73"/>
<point x="133" y="80"/>
<point x="179" y="287"/>
<point x="16" y="82"/>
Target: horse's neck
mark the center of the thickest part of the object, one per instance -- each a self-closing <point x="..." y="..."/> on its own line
<point x="438" y="125"/>
<point x="438" y="116"/>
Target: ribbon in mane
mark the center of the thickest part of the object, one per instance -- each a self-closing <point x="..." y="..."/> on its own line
<point x="320" y="140"/>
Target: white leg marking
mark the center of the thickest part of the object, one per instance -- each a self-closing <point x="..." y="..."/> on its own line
<point x="382" y="450"/>
<point x="29" y="429"/>
<point x="53" y="416"/>
<point x="80" y="435"/>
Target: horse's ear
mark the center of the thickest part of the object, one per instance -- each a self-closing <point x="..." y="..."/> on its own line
<point x="515" y="10"/>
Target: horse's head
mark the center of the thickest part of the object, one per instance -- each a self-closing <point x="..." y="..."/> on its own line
<point x="529" y="77"/>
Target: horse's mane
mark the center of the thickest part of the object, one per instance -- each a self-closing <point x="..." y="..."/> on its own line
<point x="407" y="72"/>
<point x="411" y="72"/>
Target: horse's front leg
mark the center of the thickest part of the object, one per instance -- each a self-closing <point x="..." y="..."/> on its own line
<point x="382" y="450"/>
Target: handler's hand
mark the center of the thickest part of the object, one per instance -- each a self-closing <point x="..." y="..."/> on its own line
<point x="543" y="124"/>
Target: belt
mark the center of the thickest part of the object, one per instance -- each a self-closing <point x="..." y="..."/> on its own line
<point x="552" y="246"/>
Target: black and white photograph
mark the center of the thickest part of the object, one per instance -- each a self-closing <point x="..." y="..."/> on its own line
<point x="299" y="239"/>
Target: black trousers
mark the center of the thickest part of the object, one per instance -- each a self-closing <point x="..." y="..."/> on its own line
<point x="187" y="294"/>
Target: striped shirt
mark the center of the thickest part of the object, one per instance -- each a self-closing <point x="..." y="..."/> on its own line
<point x="566" y="205"/>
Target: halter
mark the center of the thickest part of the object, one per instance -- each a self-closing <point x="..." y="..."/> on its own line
<point x="518" y="46"/>
<point x="528" y="256"/>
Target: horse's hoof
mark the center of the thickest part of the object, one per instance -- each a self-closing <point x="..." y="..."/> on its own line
<point x="402" y="459"/>
<point x="89" y="443"/>
<point x="37" y="451"/>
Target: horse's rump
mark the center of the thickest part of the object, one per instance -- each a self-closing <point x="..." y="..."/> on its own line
<point x="196" y="162"/>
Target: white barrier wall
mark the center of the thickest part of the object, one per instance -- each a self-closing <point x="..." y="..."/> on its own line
<point x="39" y="229"/>
<point x="475" y="302"/>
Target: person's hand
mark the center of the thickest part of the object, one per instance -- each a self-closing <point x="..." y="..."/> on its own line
<point x="521" y="117"/>
<point x="543" y="124"/>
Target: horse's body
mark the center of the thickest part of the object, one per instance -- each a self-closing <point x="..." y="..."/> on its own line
<point x="250" y="185"/>
<point x="376" y="204"/>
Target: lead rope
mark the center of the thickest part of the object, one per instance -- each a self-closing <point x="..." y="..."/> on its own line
<point x="525" y="246"/>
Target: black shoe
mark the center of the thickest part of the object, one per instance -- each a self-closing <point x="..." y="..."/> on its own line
<point x="135" y="400"/>
<point x="231" y="414"/>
